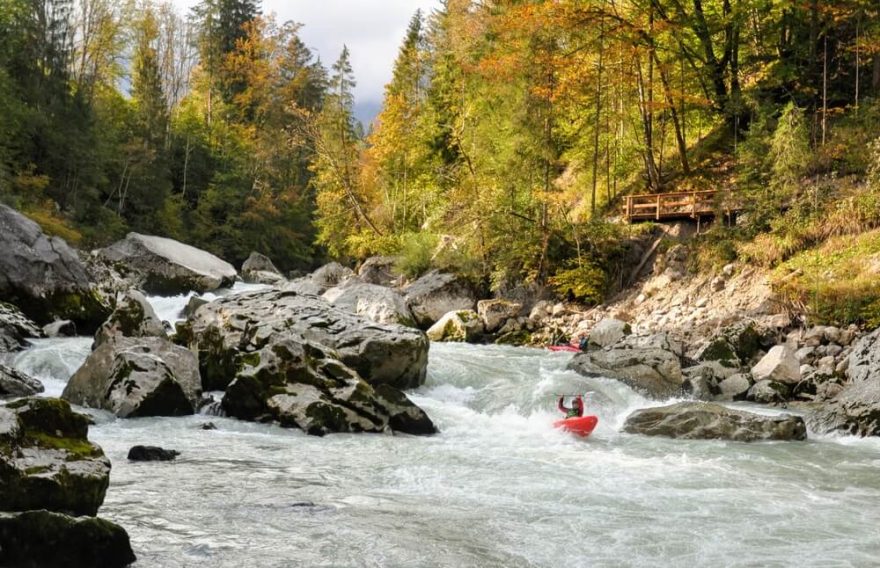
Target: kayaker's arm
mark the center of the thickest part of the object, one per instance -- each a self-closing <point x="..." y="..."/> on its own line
<point x="561" y="406"/>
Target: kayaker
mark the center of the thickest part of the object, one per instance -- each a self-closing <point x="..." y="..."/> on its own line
<point x="577" y="407"/>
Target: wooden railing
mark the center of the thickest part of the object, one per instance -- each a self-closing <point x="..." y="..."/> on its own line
<point x="679" y="205"/>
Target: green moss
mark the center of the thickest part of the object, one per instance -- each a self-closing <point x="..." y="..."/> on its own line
<point x="521" y="337"/>
<point x="249" y="359"/>
<point x="77" y="448"/>
<point x="837" y="283"/>
<point x="718" y="350"/>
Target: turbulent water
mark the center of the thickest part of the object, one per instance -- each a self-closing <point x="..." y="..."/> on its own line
<point x="497" y="487"/>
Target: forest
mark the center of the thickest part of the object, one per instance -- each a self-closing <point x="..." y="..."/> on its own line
<point x="509" y="131"/>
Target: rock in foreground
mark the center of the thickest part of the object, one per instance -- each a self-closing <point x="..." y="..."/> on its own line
<point x="15" y="383"/>
<point x="168" y="267"/>
<point x="298" y="385"/>
<point x="43" y="276"/>
<point x="230" y="329"/>
<point x="706" y="421"/>
<point x="45" y="539"/>
<point x="135" y="377"/>
<point x="46" y="460"/>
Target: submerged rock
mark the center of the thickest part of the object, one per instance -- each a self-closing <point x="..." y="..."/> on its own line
<point x="228" y="331"/>
<point x="436" y="294"/>
<point x="14" y="383"/>
<point x="299" y="385"/>
<point x="651" y="364"/>
<point x="169" y="267"/>
<point x="47" y="461"/>
<point x="704" y="420"/>
<point x="135" y="377"/>
<point x="43" y="276"/>
<point x="43" y="538"/>
<point x="151" y="453"/>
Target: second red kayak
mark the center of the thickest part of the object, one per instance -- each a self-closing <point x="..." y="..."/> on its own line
<point x="580" y="426"/>
<point x="571" y="348"/>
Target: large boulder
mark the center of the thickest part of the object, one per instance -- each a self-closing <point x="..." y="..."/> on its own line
<point x="259" y="269"/>
<point x="46" y="460"/>
<point x="15" y="328"/>
<point x="856" y="408"/>
<point x="168" y="267"/>
<point x="651" y="364"/>
<point x="461" y="325"/>
<point x="230" y="329"/>
<point x="299" y="385"/>
<point x="608" y="332"/>
<point x="44" y="538"/>
<point x="780" y="365"/>
<point x="436" y="294"/>
<point x="380" y="270"/>
<point x="704" y="420"/>
<point x="14" y="383"/>
<point x="43" y="276"/>
<point x="133" y="317"/>
<point x="135" y="377"/>
<point x="376" y="303"/>
<point x="495" y="313"/>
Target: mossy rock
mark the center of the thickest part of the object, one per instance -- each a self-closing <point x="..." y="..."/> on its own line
<point x="45" y="539"/>
<point x="521" y="337"/>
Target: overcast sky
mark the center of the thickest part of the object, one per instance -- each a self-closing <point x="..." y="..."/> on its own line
<point x="372" y="30"/>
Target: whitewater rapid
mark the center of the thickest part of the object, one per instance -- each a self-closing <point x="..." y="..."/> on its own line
<point x="497" y="487"/>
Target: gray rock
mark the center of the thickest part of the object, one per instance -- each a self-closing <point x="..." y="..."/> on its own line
<point x="193" y="304"/>
<point x="14" y="383"/>
<point x="608" y="332"/>
<point x="43" y="538"/>
<point x="133" y="317"/>
<point x="46" y="460"/>
<point x="259" y="269"/>
<point x="856" y="408"/>
<point x="151" y="453"/>
<point x="330" y="275"/>
<point x="299" y="385"/>
<point x="376" y="303"/>
<point x="233" y="327"/>
<point x="769" y="392"/>
<point x="650" y="364"/>
<point x="436" y="294"/>
<point x="734" y="387"/>
<point x="702" y="421"/>
<point x="168" y="267"/>
<point x="43" y="276"/>
<point x="495" y="313"/>
<point x="461" y="325"/>
<point x="780" y="365"/>
<point x="15" y="328"/>
<point x="135" y="377"/>
<point x="60" y="328"/>
<point x="804" y="354"/>
<point x="380" y="270"/>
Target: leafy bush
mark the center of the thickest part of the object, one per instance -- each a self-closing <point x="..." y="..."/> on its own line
<point x="586" y="283"/>
<point x="416" y="253"/>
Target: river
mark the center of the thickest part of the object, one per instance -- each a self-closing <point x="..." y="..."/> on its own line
<point x="497" y="487"/>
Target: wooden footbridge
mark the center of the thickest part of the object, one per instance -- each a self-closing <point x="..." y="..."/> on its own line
<point x="696" y="205"/>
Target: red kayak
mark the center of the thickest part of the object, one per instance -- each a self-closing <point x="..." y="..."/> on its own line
<point x="581" y="426"/>
<point x="571" y="348"/>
